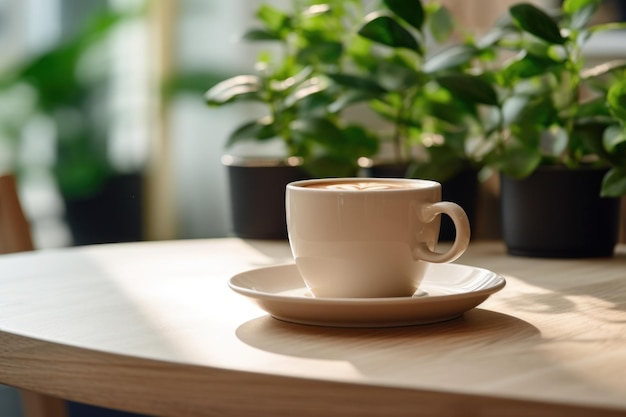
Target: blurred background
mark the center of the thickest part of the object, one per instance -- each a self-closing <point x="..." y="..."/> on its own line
<point x="102" y="113"/>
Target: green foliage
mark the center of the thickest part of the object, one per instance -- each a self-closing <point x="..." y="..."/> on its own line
<point x="469" y="88"/>
<point x="460" y="103"/>
<point x="295" y="88"/>
<point x="70" y="97"/>
<point x="550" y="108"/>
<point x="411" y="12"/>
<point x="386" y="31"/>
<point x="536" y="22"/>
<point x="335" y="56"/>
<point x="396" y="75"/>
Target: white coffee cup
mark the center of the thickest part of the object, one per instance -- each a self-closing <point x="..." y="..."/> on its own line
<point x="369" y="237"/>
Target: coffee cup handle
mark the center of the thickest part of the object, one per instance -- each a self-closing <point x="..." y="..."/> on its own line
<point x="461" y="224"/>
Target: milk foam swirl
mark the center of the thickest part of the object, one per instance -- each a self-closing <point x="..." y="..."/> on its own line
<point x="359" y="186"/>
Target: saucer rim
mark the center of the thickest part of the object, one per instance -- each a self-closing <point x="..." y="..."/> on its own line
<point x="500" y="283"/>
<point x="367" y="312"/>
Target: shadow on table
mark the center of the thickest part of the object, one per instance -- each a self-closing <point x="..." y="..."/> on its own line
<point x="369" y="349"/>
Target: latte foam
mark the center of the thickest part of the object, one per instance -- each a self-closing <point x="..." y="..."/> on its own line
<point x="359" y="186"/>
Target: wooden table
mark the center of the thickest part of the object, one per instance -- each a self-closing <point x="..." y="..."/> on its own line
<point x="153" y="328"/>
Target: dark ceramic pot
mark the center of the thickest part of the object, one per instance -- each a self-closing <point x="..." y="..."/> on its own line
<point x="558" y="213"/>
<point x="112" y="214"/>
<point x="257" y="196"/>
<point x="461" y="189"/>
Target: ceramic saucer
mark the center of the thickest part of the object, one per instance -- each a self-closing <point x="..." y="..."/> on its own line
<point x="448" y="291"/>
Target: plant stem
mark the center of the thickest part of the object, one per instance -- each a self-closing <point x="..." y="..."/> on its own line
<point x="401" y="131"/>
<point x="397" y="137"/>
<point x="573" y="66"/>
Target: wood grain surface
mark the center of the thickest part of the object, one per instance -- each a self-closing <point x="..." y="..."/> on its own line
<point x="153" y="328"/>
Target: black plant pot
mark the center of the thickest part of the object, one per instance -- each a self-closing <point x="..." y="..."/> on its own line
<point x="257" y="196"/>
<point x="461" y="189"/>
<point x="112" y="214"/>
<point x="558" y="213"/>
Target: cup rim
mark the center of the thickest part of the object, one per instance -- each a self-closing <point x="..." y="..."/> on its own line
<point x="303" y="184"/>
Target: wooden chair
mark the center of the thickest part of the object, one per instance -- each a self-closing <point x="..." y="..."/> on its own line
<point x="15" y="236"/>
<point x="15" y="233"/>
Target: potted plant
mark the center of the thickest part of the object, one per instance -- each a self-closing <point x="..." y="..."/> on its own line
<point x="399" y="53"/>
<point x="393" y="72"/>
<point x="558" y="135"/>
<point x="308" y="41"/>
<point x="102" y="200"/>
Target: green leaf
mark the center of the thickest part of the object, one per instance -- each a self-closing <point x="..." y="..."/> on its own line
<point x="613" y="136"/>
<point x="492" y="37"/>
<point x="274" y="19"/>
<point x="594" y="109"/>
<point x="316" y="103"/>
<point x="54" y="71"/>
<point x="53" y="74"/>
<point x="304" y="91"/>
<point x="360" y="142"/>
<point x="192" y="82"/>
<point x="291" y="81"/>
<point x="602" y="27"/>
<point x="469" y="88"/>
<point x="385" y="110"/>
<point x="614" y="183"/>
<point x="528" y="116"/>
<point x="448" y="112"/>
<point x="348" y="98"/>
<point x="240" y="87"/>
<point x="616" y="98"/>
<point x="572" y="6"/>
<point x="443" y="163"/>
<point x="316" y="10"/>
<point x="318" y="129"/>
<point x="588" y="137"/>
<point x="328" y="52"/>
<point x="441" y="23"/>
<point x="537" y="22"/>
<point x="537" y="47"/>
<point x="80" y="170"/>
<point x="411" y="11"/>
<point x="323" y="134"/>
<point x="580" y="12"/>
<point x="451" y="57"/>
<point x="519" y="161"/>
<point x="260" y="35"/>
<point x="356" y="82"/>
<point x="396" y="75"/>
<point x="527" y="66"/>
<point x="386" y="31"/>
<point x="254" y="130"/>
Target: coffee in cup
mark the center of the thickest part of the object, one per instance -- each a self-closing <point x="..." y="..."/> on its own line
<point x="369" y="237"/>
